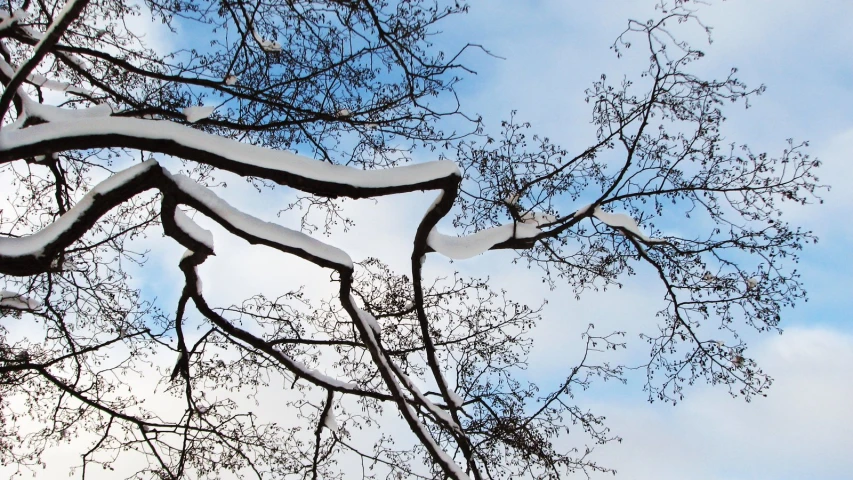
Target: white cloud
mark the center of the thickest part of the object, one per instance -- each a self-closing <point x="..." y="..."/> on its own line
<point x="803" y="429"/>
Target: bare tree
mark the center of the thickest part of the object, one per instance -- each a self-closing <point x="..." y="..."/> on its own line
<point x="85" y="97"/>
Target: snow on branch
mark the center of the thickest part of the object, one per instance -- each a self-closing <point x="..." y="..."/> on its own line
<point x="171" y="138"/>
<point x="197" y="113"/>
<point x="189" y="264"/>
<point x="42" y="81"/>
<point x="196" y="232"/>
<point x="390" y="373"/>
<point x="24" y="255"/>
<point x="35" y="244"/>
<point x="69" y="12"/>
<point x="17" y="301"/>
<point x="49" y="113"/>
<point x="455" y="399"/>
<point x="269" y="46"/>
<point x="619" y="221"/>
<point x="460" y="248"/>
<point x="329" y="421"/>
<point x="244" y="224"/>
<point x="9" y="19"/>
<point x="367" y="319"/>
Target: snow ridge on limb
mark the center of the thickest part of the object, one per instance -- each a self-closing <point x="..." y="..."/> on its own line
<point x="456" y="399"/>
<point x="42" y="81"/>
<point x="50" y="113"/>
<point x="461" y="248"/>
<point x="17" y="301"/>
<point x="188" y="265"/>
<point x="170" y="138"/>
<point x="367" y="318"/>
<point x="269" y="46"/>
<point x="619" y="221"/>
<point x="197" y="253"/>
<point x="256" y="230"/>
<point x="194" y="230"/>
<point x="389" y="373"/>
<point x="196" y="113"/>
<point x="367" y="327"/>
<point x="440" y="207"/>
<point x="70" y="11"/>
<point x="299" y="172"/>
<point x="88" y="208"/>
<point x="32" y="254"/>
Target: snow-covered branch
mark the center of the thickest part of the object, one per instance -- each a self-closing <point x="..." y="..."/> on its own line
<point x="69" y="13"/>
<point x="249" y="160"/>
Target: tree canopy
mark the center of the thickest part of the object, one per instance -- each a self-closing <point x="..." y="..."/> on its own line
<point x="91" y="108"/>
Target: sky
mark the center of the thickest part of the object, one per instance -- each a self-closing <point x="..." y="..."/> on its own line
<point x="552" y="51"/>
<point x="802" y="52"/>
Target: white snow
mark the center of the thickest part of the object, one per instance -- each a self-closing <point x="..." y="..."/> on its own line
<point x="45" y="82"/>
<point x="435" y="410"/>
<point x="231" y="80"/>
<point x="371" y="321"/>
<point x="410" y="412"/>
<point x="330" y="421"/>
<point x="258" y="228"/>
<point x="50" y="113"/>
<point x="15" y="300"/>
<point x="57" y="19"/>
<point x="434" y="204"/>
<point x="512" y="199"/>
<point x="188" y="226"/>
<point x="231" y="150"/>
<point x="199" y="286"/>
<point x="455" y="399"/>
<point x="195" y="114"/>
<point x="343" y="113"/>
<point x="582" y="210"/>
<point x="452" y="465"/>
<point x="8" y="20"/>
<point x="538" y="218"/>
<point x="34" y="244"/>
<point x="366" y="318"/>
<point x="620" y="220"/>
<point x="269" y="46"/>
<point x="460" y="248"/>
<point x="42" y="81"/>
<point x="322" y="377"/>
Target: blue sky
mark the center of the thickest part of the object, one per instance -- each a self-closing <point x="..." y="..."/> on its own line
<point x="552" y="51"/>
<point x="801" y="51"/>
